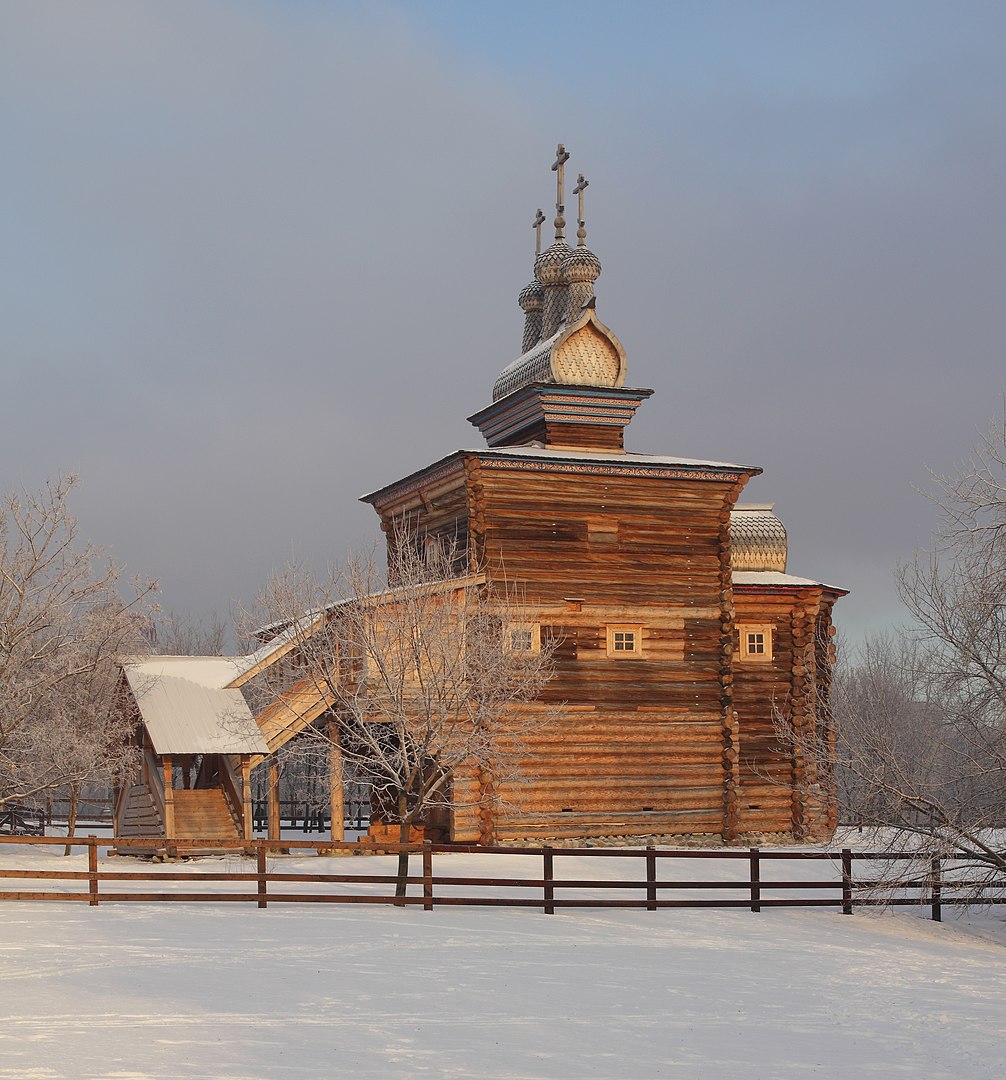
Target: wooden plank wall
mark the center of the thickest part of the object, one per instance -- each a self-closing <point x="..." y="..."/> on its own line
<point x="638" y="748"/>
<point x="781" y="786"/>
<point x="683" y="740"/>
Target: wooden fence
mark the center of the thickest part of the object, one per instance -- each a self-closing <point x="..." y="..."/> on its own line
<point x="940" y="885"/>
<point x="96" y="814"/>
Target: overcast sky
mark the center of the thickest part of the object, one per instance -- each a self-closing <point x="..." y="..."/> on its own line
<point x="259" y="258"/>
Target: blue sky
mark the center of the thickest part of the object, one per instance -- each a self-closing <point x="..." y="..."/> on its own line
<point x="258" y="258"/>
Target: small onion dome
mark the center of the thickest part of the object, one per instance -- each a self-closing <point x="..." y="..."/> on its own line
<point x="548" y="265"/>
<point x="531" y="297"/>
<point x="581" y="265"/>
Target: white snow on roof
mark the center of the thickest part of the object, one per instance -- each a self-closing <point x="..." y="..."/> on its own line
<point x="540" y="453"/>
<point x="772" y="577"/>
<point x="551" y="454"/>
<point x="186" y="709"/>
<point x="279" y="644"/>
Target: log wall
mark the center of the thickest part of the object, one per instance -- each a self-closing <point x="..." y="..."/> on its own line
<point x="680" y="740"/>
<point x="632" y="745"/>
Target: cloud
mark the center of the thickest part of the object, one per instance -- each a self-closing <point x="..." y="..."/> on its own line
<point x="261" y="257"/>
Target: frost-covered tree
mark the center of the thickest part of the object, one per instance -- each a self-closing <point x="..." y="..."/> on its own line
<point x="63" y="628"/>
<point x="921" y="716"/>
<point x="425" y="671"/>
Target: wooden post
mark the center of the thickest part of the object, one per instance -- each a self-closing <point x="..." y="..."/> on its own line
<point x="273" y="798"/>
<point x="937" y="900"/>
<point x="755" y="879"/>
<point x="427" y="875"/>
<point x="846" y="881"/>
<point x="92" y="870"/>
<point x="336" y="788"/>
<point x="546" y="860"/>
<point x="651" y="878"/>
<point x="169" y="798"/>
<point x="246" y="797"/>
<point x="260" y="870"/>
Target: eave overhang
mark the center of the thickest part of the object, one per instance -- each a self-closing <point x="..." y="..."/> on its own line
<point x="542" y="460"/>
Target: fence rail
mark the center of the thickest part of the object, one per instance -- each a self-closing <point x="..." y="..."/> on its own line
<point x="96" y="814"/>
<point x="939" y="886"/>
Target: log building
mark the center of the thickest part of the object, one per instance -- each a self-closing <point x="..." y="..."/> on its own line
<point x="690" y="665"/>
<point x="683" y="640"/>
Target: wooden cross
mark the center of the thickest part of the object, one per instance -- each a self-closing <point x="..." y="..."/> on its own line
<point x="539" y="220"/>
<point x="581" y="232"/>
<point x="561" y="157"/>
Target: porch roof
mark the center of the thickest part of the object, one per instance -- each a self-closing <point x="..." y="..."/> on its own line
<point x="186" y="708"/>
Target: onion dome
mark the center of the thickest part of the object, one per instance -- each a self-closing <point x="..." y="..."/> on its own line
<point x="531" y="297"/>
<point x="757" y="539"/>
<point x="548" y="265"/>
<point x="581" y="265"/>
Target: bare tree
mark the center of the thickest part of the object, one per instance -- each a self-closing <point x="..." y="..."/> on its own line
<point x="63" y="627"/>
<point x="173" y="634"/>
<point x="957" y="593"/>
<point x="921" y="716"/>
<point x="426" y="672"/>
<point x="930" y="782"/>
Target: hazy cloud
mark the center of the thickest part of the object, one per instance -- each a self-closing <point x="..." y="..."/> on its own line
<point x="259" y="258"/>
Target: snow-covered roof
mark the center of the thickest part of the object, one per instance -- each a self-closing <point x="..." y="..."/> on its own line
<point x="580" y="457"/>
<point x="186" y="708"/>
<point x="276" y="646"/>
<point x="552" y="453"/>
<point x="773" y="578"/>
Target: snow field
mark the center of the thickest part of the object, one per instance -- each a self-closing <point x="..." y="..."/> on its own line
<point x="230" y="992"/>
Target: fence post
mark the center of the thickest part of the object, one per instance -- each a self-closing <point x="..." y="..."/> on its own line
<point x="937" y="890"/>
<point x="260" y="869"/>
<point x="846" y="881"/>
<point x="546" y="860"/>
<point x="427" y="875"/>
<point x="755" y="879"/>
<point x="651" y="878"/>
<point x="92" y="870"/>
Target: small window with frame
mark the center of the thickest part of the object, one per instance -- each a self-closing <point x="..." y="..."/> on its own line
<point x="525" y="637"/>
<point x="755" y="642"/>
<point x="624" y="642"/>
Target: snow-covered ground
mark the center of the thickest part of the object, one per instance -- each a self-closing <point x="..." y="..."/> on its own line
<point x="226" y="991"/>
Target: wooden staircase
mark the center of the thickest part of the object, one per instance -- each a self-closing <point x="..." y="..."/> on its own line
<point x="298" y="708"/>
<point x="204" y="813"/>
<point x="141" y="815"/>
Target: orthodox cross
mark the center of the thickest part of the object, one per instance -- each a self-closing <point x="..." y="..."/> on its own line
<point x="561" y="157"/>
<point x="539" y="220"/>
<point x="581" y="232"/>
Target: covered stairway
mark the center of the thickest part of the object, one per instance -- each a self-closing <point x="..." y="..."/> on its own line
<point x="197" y="739"/>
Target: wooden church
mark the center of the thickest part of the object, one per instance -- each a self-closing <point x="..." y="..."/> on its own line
<point x="689" y="663"/>
<point x="684" y="643"/>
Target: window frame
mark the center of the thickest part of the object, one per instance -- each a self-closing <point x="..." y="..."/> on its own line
<point x="614" y="653"/>
<point x="746" y="654"/>
<point x="534" y="629"/>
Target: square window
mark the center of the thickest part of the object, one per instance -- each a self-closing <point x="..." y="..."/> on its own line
<point x="525" y="638"/>
<point x="755" y="642"/>
<point x="624" y="642"/>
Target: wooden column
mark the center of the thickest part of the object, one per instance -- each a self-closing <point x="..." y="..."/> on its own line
<point x="803" y="709"/>
<point x="273" y="798"/>
<point x="336" y="781"/>
<point x="167" y="765"/>
<point x="730" y="756"/>
<point x="246" y="797"/>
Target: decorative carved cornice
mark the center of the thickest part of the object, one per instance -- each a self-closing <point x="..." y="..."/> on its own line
<point x="609" y="468"/>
